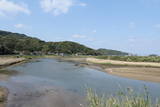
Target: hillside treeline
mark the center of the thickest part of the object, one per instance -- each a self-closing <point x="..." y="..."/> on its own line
<point x="14" y="43"/>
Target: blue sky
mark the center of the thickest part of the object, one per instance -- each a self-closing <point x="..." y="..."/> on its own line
<point x="127" y="25"/>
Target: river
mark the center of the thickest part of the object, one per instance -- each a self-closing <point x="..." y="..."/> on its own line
<point x="53" y="83"/>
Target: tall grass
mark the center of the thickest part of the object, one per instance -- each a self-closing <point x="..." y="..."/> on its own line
<point x="123" y="99"/>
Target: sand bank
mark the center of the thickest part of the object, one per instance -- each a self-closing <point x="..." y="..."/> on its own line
<point x="146" y="71"/>
<point x="6" y="61"/>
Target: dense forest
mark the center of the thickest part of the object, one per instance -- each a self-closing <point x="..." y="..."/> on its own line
<point x="15" y="43"/>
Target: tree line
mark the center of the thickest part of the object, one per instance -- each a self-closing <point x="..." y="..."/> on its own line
<point x="15" y="43"/>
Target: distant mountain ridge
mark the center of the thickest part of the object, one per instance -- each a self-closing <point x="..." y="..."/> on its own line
<point x="15" y="43"/>
<point x="111" y="52"/>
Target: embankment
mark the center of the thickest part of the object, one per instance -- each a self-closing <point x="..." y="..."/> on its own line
<point x="7" y="61"/>
<point x="4" y="62"/>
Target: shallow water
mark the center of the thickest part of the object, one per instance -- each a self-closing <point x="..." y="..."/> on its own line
<point x="49" y="82"/>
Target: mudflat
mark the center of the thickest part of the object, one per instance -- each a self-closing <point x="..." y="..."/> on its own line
<point x="138" y="73"/>
<point x="7" y="61"/>
<point x="3" y="96"/>
<point x="146" y="71"/>
<point x="4" y="61"/>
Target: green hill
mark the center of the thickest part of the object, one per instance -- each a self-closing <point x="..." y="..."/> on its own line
<point x="111" y="52"/>
<point x="68" y="47"/>
<point x="15" y="43"/>
<point x="11" y="43"/>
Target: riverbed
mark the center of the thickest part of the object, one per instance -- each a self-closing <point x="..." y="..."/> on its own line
<point x="53" y="83"/>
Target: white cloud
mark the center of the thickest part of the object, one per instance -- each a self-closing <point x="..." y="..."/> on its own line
<point x="79" y="36"/>
<point x="57" y="7"/>
<point x="19" y="26"/>
<point x="8" y="7"/>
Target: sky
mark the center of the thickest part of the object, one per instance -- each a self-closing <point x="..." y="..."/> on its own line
<point x="127" y="25"/>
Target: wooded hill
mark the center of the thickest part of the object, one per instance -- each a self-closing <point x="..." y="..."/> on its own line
<point x="15" y="43"/>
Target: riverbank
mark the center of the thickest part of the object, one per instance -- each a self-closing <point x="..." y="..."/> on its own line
<point x="8" y="61"/>
<point x="5" y="62"/>
<point x="134" y="70"/>
<point x="46" y="82"/>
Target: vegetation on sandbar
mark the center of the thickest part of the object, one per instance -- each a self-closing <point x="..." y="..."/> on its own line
<point x="132" y="58"/>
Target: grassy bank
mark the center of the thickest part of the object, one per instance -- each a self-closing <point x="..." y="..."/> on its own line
<point x="122" y="99"/>
<point x="123" y="63"/>
<point x="132" y="58"/>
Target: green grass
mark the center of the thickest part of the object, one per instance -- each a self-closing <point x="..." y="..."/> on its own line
<point x="123" y="99"/>
<point x="132" y="58"/>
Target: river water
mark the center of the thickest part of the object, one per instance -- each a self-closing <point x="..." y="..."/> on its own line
<point x="52" y="83"/>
